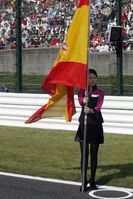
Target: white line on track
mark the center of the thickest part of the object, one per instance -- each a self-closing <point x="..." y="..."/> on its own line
<point x="60" y="181"/>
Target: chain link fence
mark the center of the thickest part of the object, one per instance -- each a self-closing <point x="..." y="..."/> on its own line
<point x="44" y="24"/>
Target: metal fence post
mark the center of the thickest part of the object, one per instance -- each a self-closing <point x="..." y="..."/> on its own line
<point x="119" y="52"/>
<point x="18" y="47"/>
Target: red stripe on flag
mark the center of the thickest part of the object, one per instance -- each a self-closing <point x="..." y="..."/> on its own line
<point x="37" y="115"/>
<point x="83" y="2"/>
<point x="66" y="73"/>
<point x="70" y="103"/>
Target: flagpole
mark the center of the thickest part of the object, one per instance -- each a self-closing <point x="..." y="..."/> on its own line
<point x="83" y="186"/>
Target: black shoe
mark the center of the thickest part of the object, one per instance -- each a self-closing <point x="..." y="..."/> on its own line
<point x="93" y="186"/>
<point x="86" y="183"/>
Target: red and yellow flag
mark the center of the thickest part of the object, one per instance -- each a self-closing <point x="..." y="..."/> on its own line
<point x="69" y="69"/>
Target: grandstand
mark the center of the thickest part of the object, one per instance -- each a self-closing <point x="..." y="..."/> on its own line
<point x="44" y="23"/>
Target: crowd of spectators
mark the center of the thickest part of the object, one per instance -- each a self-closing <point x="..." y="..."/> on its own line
<point x="44" y="23"/>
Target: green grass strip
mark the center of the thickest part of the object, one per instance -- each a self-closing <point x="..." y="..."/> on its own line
<point x="55" y="154"/>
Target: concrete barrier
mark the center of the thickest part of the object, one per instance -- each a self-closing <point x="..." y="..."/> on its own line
<point x="40" y="60"/>
<point x="16" y="108"/>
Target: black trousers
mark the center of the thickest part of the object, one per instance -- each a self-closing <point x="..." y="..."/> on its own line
<point x="91" y="149"/>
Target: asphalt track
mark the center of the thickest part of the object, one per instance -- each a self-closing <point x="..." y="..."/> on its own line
<point x="19" y="187"/>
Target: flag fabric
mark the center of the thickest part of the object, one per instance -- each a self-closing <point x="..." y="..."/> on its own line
<point x="69" y="69"/>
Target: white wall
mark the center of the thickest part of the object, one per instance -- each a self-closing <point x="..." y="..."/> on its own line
<point x="16" y="108"/>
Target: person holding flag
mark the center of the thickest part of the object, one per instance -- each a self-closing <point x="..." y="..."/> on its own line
<point x="91" y="105"/>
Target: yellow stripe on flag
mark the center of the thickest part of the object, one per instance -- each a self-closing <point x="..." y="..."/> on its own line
<point x="56" y="105"/>
<point x="74" y="48"/>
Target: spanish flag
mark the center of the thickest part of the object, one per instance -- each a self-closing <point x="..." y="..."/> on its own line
<point x="69" y="69"/>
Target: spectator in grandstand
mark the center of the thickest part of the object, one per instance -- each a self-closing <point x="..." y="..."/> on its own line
<point x="13" y="45"/>
<point x="96" y="38"/>
<point x="103" y="47"/>
<point x="91" y="105"/>
<point x="2" y="45"/>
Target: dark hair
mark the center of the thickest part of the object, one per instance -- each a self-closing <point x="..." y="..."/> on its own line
<point x="93" y="71"/>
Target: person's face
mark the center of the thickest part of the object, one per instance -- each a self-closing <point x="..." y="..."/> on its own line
<point x="92" y="79"/>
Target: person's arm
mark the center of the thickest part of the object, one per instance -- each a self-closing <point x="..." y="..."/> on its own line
<point x="100" y="101"/>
